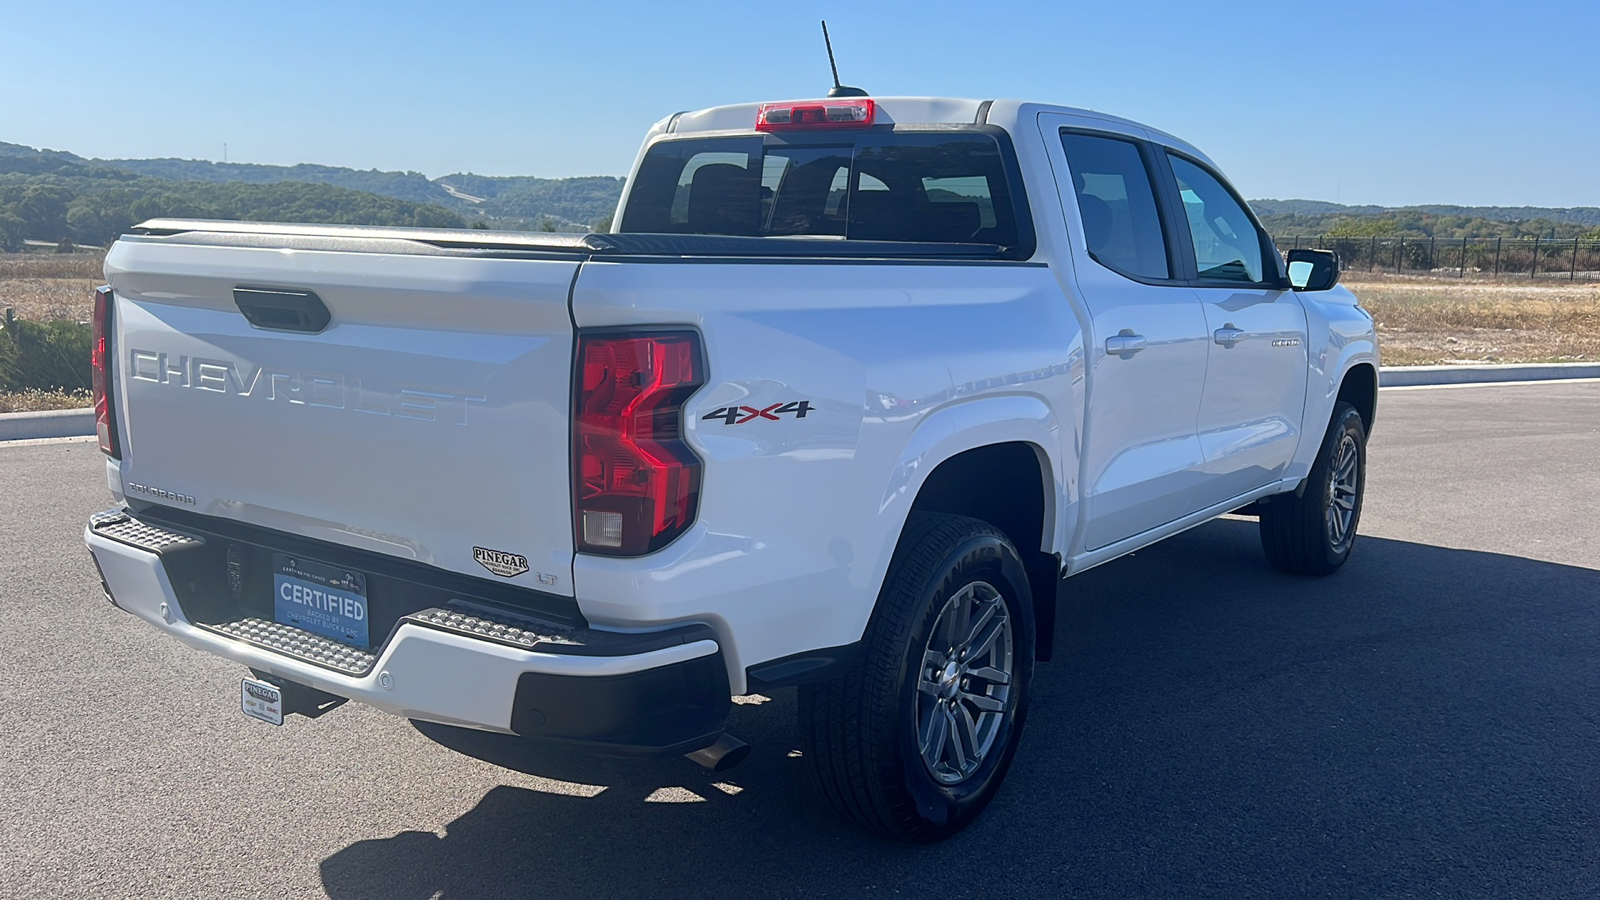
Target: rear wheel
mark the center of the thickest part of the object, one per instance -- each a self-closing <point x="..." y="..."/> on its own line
<point x="1312" y="534"/>
<point x="914" y="742"/>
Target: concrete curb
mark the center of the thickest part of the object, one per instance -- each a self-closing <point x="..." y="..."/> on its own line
<point x="53" y="423"/>
<point x="1417" y="376"/>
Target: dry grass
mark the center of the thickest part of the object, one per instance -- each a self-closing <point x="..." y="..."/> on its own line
<point x="45" y="286"/>
<point x="51" y="265"/>
<point x="32" y="401"/>
<point x="1442" y="320"/>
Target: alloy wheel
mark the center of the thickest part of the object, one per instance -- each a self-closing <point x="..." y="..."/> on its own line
<point x="1343" y="487"/>
<point x="964" y="683"/>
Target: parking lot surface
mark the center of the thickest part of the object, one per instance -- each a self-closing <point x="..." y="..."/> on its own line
<point x="1424" y="723"/>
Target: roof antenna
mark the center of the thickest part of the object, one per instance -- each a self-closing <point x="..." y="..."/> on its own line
<point x="838" y="90"/>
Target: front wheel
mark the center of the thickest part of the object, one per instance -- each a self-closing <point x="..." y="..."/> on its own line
<point x="1312" y="534"/>
<point x="914" y="742"/>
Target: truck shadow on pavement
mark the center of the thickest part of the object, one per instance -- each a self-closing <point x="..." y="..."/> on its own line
<point x="1425" y="721"/>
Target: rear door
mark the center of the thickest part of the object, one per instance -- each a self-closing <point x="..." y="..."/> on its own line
<point x="1149" y="340"/>
<point x="427" y="419"/>
<point x="1255" y="386"/>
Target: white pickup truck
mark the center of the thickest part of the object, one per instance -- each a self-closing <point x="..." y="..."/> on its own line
<point x="850" y="389"/>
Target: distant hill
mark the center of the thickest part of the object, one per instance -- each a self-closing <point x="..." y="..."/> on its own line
<point x="1308" y="208"/>
<point x="16" y="159"/>
<point x="579" y="200"/>
<point x="501" y="201"/>
<point x="413" y="187"/>
<point x="1318" y="217"/>
<point x="1576" y="215"/>
<point x="508" y="202"/>
<point x="50" y="195"/>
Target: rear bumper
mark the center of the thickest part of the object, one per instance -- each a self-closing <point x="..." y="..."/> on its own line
<point x="658" y="693"/>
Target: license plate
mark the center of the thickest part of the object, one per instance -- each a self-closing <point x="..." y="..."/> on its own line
<point x="322" y="599"/>
<point x="261" y="700"/>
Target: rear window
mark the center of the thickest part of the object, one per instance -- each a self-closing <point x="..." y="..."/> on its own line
<point x="939" y="187"/>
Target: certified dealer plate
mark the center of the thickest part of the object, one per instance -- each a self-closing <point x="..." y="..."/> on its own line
<point x="322" y="599"/>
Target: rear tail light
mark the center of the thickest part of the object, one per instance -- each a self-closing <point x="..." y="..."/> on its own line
<point x="855" y="113"/>
<point x="103" y="363"/>
<point x="636" y="483"/>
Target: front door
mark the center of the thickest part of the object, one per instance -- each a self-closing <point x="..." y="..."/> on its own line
<point x="1255" y="386"/>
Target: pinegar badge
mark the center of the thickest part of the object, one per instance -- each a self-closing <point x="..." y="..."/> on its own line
<point x="506" y="565"/>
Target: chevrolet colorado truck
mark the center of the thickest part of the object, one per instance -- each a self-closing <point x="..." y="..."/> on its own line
<point x="848" y="392"/>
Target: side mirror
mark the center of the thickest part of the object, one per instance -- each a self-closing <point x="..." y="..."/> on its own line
<point x="1313" y="270"/>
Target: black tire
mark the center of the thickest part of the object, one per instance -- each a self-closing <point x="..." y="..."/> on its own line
<point x="1298" y="533"/>
<point x="860" y="732"/>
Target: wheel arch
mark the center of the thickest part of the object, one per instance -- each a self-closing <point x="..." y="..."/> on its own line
<point x="1359" y="388"/>
<point x="1010" y="485"/>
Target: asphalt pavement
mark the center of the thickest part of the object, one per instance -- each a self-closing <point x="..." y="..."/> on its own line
<point x="1424" y="723"/>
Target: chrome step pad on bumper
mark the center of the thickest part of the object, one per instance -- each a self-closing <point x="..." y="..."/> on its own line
<point x="298" y="643"/>
<point x="118" y="525"/>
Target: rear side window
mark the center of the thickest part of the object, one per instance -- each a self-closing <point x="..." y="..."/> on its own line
<point x="1117" y="203"/>
<point x="938" y="187"/>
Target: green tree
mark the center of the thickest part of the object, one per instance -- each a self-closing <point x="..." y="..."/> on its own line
<point x="44" y="208"/>
<point x="1363" y="227"/>
<point x="12" y="230"/>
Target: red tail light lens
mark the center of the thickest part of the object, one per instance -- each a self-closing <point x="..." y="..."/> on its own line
<point x="636" y="482"/>
<point x="103" y="363"/>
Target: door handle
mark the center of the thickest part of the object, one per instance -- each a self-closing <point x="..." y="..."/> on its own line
<point x="1227" y="336"/>
<point x="1125" y="344"/>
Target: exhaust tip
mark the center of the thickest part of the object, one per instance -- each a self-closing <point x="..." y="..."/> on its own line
<point x="723" y="755"/>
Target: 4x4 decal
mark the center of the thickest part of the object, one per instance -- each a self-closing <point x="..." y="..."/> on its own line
<point x="738" y="415"/>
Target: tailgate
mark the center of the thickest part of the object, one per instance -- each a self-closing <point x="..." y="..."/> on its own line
<point x="428" y="420"/>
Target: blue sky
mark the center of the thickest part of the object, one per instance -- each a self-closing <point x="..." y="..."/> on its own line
<point x="1359" y="101"/>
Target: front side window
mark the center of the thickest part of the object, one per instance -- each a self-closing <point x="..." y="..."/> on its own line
<point x="937" y="187"/>
<point x="1117" y="205"/>
<point x="1227" y="246"/>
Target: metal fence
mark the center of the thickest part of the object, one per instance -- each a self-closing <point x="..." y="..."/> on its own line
<point x="1479" y="257"/>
